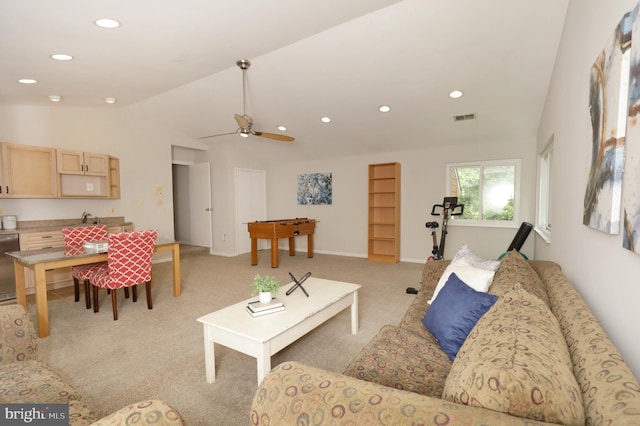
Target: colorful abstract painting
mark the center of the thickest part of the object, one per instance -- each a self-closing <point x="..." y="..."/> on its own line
<point x="315" y="188"/>
<point x="608" y="102"/>
<point x="631" y="187"/>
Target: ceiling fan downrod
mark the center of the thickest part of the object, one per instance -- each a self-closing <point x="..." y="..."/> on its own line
<point x="244" y="64"/>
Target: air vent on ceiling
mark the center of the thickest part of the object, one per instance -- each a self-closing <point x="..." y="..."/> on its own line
<point x="464" y="117"/>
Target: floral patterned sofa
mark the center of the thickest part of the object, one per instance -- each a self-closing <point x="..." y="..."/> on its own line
<point x="25" y="380"/>
<point x="537" y="356"/>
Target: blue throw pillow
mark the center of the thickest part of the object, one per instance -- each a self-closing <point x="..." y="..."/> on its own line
<point x="454" y="313"/>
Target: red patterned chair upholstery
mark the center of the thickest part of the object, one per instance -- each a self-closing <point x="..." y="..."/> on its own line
<point x="76" y="236"/>
<point x="128" y="264"/>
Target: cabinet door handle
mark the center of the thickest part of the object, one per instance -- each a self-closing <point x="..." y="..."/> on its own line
<point x="47" y="236"/>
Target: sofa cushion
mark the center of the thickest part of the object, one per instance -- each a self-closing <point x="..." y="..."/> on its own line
<point x="516" y="361"/>
<point x="474" y="260"/>
<point x="18" y="338"/>
<point x="143" y="413"/>
<point x="412" y="319"/>
<point x="400" y="359"/>
<point x="515" y="269"/>
<point x="610" y="393"/>
<point x="477" y="278"/>
<point x="34" y="382"/>
<point x="454" y="312"/>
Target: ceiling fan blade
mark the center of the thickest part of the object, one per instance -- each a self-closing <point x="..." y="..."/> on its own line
<point x="242" y="121"/>
<point x="221" y="134"/>
<point x="274" y="136"/>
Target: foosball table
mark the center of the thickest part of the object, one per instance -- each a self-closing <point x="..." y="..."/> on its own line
<point x="273" y="230"/>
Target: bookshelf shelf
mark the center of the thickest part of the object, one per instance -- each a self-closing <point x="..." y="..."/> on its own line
<point x="384" y="213"/>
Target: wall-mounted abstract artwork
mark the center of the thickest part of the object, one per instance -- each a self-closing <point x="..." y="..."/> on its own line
<point x="608" y="100"/>
<point x="315" y="188"/>
<point x="631" y="186"/>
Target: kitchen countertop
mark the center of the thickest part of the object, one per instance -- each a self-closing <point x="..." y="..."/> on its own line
<point x="58" y="224"/>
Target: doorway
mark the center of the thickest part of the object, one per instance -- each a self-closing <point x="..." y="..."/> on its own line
<point x="192" y="203"/>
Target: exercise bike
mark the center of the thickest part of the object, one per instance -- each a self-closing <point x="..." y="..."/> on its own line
<point x="449" y="207"/>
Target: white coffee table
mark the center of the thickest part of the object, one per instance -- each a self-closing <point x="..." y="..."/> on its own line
<point x="262" y="337"/>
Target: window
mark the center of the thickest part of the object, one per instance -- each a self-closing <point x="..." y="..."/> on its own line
<point x="543" y="219"/>
<point x="489" y="191"/>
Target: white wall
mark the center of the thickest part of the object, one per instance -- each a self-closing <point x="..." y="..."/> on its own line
<point x="342" y="227"/>
<point x="143" y="147"/>
<point x="604" y="273"/>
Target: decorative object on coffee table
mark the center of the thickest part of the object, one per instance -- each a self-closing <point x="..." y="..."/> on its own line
<point x="257" y="309"/>
<point x="266" y="287"/>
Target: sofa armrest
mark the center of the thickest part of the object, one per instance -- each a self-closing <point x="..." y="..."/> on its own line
<point x="143" y="413"/>
<point x="18" y="340"/>
<point x="293" y="393"/>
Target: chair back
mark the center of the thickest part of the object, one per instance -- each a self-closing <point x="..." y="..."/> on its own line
<point x="129" y="257"/>
<point x="77" y="235"/>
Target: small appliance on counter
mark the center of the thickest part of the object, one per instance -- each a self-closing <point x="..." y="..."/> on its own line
<point x="9" y="222"/>
<point x="100" y="246"/>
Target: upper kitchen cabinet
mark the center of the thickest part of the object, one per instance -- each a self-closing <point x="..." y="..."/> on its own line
<point x="82" y="163"/>
<point x="27" y="171"/>
<point x="87" y="175"/>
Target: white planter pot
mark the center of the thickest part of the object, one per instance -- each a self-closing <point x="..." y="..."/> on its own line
<point x="265" y="297"/>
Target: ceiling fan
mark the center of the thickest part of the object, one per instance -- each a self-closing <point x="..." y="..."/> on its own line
<point x="245" y="122"/>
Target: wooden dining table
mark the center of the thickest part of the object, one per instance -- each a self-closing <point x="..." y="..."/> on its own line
<point x="39" y="261"/>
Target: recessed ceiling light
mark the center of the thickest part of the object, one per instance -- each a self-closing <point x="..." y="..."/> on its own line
<point x="55" y="98"/>
<point x="61" y="57"/>
<point x="110" y="100"/>
<point x="27" y="81"/>
<point x="107" y="23"/>
<point x="282" y="128"/>
<point x="325" y="120"/>
<point x="384" y="108"/>
<point x="456" y="94"/>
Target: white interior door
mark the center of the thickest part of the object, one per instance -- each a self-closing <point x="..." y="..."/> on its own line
<point x="200" y="204"/>
<point x="251" y="205"/>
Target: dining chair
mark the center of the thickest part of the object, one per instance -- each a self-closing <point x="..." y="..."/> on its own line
<point x="129" y="259"/>
<point x="76" y="236"/>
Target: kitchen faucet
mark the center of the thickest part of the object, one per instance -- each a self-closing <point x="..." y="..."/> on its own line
<point x="85" y="215"/>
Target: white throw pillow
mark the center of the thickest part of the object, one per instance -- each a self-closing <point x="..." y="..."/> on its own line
<point x="474" y="260"/>
<point x="476" y="278"/>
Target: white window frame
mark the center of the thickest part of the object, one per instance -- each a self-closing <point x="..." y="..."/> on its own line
<point x="543" y="202"/>
<point x="516" y="162"/>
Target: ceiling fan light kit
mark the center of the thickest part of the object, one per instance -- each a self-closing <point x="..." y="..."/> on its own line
<point x="245" y="122"/>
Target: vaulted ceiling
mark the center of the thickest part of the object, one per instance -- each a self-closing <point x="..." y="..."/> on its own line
<point x="175" y="60"/>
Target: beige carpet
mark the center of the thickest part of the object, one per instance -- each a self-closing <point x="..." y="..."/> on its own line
<point x="159" y="353"/>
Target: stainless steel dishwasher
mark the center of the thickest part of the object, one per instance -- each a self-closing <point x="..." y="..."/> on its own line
<point x="8" y="242"/>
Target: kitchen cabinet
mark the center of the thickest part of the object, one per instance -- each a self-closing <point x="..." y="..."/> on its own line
<point x="87" y="175"/>
<point x="40" y="172"/>
<point x="27" y="171"/>
<point x="114" y="178"/>
<point x="384" y="213"/>
<point x="82" y="163"/>
<point x="57" y="278"/>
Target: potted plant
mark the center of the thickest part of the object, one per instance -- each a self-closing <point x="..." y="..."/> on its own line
<point x="265" y="287"/>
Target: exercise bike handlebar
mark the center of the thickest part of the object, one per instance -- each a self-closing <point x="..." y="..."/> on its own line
<point x="451" y="207"/>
